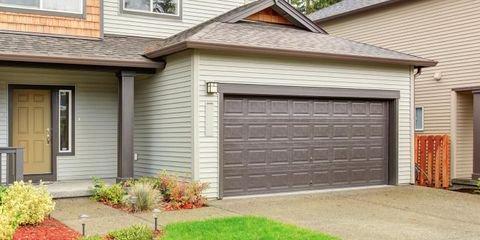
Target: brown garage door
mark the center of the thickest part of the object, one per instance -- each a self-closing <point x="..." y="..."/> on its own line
<point x="279" y="144"/>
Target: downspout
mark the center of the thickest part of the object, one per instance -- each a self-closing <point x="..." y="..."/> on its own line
<point x="414" y="76"/>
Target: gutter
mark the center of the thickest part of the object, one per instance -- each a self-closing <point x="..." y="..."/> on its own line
<point x="106" y="62"/>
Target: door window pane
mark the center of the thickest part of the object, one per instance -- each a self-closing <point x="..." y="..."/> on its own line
<point x="64" y="5"/>
<point x="142" y="5"/>
<point x="65" y="102"/>
<point x="419" y="118"/>
<point x="22" y="3"/>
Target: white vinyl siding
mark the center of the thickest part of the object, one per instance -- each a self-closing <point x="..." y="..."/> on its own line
<point x="443" y="30"/>
<point x="163" y="120"/>
<point x="245" y="69"/>
<point x="96" y="107"/>
<point x="193" y="12"/>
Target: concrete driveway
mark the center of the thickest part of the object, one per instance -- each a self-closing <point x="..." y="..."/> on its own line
<point x="369" y="214"/>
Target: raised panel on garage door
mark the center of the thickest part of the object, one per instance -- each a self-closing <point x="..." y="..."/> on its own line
<point x="282" y="144"/>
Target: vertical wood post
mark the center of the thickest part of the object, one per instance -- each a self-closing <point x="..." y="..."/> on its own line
<point x="476" y="135"/>
<point x="125" y="124"/>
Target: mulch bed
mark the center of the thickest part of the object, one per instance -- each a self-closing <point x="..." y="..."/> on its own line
<point x="50" y="229"/>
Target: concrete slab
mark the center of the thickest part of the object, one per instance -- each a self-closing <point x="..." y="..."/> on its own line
<point x="387" y="213"/>
<point x="71" y="189"/>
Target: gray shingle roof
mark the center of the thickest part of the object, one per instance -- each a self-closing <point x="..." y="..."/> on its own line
<point x="346" y="7"/>
<point x="278" y="39"/>
<point x="113" y="50"/>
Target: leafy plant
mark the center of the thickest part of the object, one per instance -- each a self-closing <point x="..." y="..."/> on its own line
<point x="113" y="194"/>
<point x="137" y="232"/>
<point x="28" y="204"/>
<point x="180" y="194"/>
<point x="96" y="237"/>
<point x="3" y="189"/>
<point x="8" y="224"/>
<point x="146" y="195"/>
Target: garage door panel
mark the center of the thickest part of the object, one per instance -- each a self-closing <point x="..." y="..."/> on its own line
<point x="277" y="144"/>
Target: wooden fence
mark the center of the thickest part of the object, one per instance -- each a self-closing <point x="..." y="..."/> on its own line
<point x="432" y="160"/>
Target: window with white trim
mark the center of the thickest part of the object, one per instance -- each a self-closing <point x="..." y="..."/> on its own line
<point x="63" y="6"/>
<point x="161" y="7"/>
<point x="65" y="101"/>
<point x="419" y="118"/>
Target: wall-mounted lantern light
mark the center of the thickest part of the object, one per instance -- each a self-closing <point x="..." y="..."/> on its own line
<point x="212" y="87"/>
<point x="438" y="76"/>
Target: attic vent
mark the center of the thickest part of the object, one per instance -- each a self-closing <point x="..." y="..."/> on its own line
<point x="270" y="16"/>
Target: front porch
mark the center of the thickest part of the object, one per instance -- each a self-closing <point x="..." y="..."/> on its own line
<point x="93" y="137"/>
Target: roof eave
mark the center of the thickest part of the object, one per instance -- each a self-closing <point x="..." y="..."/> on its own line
<point x="80" y="61"/>
<point x="283" y="52"/>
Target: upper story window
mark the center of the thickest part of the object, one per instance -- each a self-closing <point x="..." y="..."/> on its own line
<point x="62" y="6"/>
<point x="160" y="7"/>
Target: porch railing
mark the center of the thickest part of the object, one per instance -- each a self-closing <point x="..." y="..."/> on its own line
<point x="14" y="164"/>
<point x="432" y="160"/>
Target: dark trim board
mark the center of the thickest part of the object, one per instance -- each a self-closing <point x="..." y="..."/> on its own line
<point x="391" y="97"/>
<point x="54" y="124"/>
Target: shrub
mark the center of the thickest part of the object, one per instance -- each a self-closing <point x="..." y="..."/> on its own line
<point x="96" y="237"/>
<point x="187" y="195"/>
<point x="138" y="232"/>
<point x="8" y="224"/>
<point x="28" y="204"/>
<point x="113" y="194"/>
<point x="146" y="195"/>
<point x="166" y="183"/>
<point x="3" y="189"/>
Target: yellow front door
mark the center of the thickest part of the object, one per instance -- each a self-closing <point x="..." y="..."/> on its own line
<point x="31" y="128"/>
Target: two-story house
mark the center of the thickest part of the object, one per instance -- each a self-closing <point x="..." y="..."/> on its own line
<point x="447" y="96"/>
<point x="251" y="98"/>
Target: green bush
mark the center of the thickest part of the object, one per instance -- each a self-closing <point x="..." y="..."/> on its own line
<point x="113" y="194"/>
<point x="3" y="189"/>
<point x="138" y="232"/>
<point x="28" y="204"/>
<point x="96" y="237"/>
<point x="8" y="224"/>
<point x="146" y="195"/>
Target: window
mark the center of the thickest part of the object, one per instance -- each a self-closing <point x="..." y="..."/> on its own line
<point x="419" y="114"/>
<point x="65" y="121"/>
<point x="162" y="7"/>
<point x="63" y="6"/>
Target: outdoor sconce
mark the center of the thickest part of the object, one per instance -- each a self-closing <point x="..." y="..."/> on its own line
<point x="438" y="76"/>
<point x="212" y="87"/>
<point x="83" y="220"/>
<point x="156" y="212"/>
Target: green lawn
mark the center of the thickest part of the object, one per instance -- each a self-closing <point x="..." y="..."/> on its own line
<point x="245" y="228"/>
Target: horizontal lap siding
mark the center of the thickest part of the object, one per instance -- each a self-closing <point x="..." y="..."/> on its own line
<point x="194" y="12"/>
<point x="244" y="69"/>
<point x="95" y="124"/>
<point x="443" y="30"/>
<point x="163" y="120"/>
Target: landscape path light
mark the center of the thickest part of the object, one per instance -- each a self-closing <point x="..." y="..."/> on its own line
<point x="83" y="220"/>
<point x="156" y="212"/>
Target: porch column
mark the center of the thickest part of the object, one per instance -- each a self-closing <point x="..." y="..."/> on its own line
<point x="476" y="135"/>
<point x="125" y="124"/>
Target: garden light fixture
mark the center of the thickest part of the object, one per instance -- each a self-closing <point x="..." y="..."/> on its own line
<point x="156" y="212"/>
<point x="133" y="201"/>
<point x="83" y="220"/>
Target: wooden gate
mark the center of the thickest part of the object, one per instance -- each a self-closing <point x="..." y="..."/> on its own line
<point x="432" y="160"/>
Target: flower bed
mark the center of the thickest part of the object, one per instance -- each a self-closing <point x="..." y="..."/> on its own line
<point x="165" y="191"/>
<point x="49" y="229"/>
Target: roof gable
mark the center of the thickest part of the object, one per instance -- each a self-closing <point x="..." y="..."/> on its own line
<point x="269" y="16"/>
<point x="279" y="6"/>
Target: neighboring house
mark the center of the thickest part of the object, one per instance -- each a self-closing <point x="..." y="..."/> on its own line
<point x="447" y="99"/>
<point x="256" y="100"/>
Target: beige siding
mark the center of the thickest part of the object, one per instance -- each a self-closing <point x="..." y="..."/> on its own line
<point x="443" y="30"/>
<point x="95" y="118"/>
<point x="265" y="70"/>
<point x="163" y="119"/>
<point x="194" y="12"/>
<point x="463" y="164"/>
